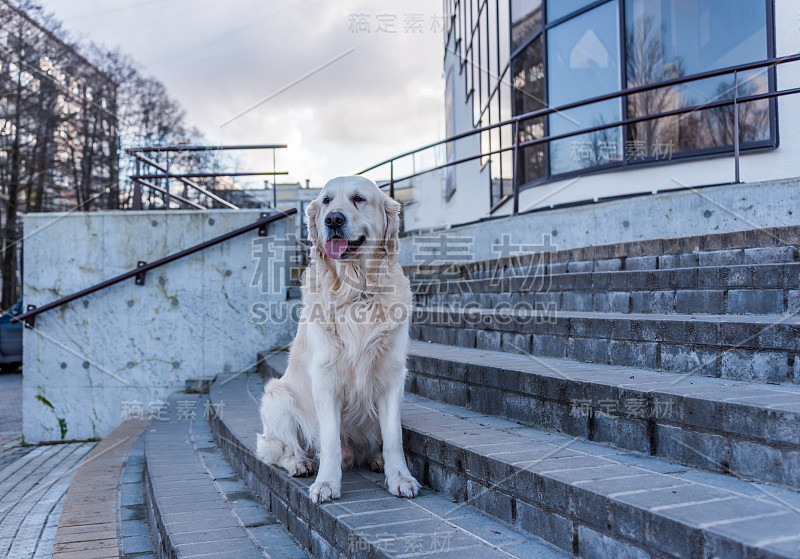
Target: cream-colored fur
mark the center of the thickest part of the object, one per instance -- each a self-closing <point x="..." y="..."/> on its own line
<point x="340" y="397"/>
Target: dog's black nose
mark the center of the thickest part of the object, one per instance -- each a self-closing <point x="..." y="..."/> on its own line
<point x="335" y="219"/>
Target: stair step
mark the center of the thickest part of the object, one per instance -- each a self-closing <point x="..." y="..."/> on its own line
<point x="556" y="486"/>
<point x="753" y="289"/>
<point x="196" y="504"/>
<point x="367" y="521"/>
<point x="588" y="498"/>
<point x="757" y="348"/>
<point x="754" y="247"/>
<point x="744" y="428"/>
<point x="135" y="538"/>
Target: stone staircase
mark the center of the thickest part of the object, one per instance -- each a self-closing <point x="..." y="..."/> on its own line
<point x="196" y="505"/>
<point x="631" y="401"/>
<point x="673" y="305"/>
<point x="366" y="521"/>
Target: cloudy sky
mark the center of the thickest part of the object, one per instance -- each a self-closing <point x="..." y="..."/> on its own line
<point x="219" y="58"/>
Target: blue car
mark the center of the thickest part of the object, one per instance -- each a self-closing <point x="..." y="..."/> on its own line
<point x="11" y="339"/>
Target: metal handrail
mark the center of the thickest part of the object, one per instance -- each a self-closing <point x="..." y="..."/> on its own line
<point x="187" y="182"/>
<point x="635" y="120"/>
<point x="179" y="198"/>
<point x="539" y="113"/>
<point x="131" y="151"/>
<point x="140" y="179"/>
<point x="208" y="175"/>
<point x="139" y="272"/>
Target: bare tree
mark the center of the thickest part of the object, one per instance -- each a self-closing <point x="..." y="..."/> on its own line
<point x="57" y="127"/>
<point x="67" y="111"/>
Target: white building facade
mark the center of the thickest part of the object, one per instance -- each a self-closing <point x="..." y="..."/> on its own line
<point x="508" y="58"/>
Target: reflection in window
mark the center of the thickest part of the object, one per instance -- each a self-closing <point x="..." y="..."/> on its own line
<point x="672" y="38"/>
<point x="526" y="20"/>
<point x="583" y="62"/>
<point x="528" y="76"/>
<point x="556" y="9"/>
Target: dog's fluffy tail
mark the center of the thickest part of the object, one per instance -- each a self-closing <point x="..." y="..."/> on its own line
<point x="283" y="440"/>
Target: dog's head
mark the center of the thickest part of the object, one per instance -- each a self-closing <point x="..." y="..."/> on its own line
<point x="352" y="219"/>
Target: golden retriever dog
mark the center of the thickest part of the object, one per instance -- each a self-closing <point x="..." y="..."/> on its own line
<point x="340" y="397"/>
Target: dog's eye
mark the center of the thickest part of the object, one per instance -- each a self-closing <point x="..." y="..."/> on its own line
<point x="358" y="198"/>
<point x="326" y="200"/>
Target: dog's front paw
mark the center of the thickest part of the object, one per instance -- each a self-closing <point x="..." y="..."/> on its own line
<point x="321" y="491"/>
<point x="403" y="486"/>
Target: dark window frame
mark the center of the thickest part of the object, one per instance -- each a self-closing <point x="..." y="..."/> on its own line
<point x="689" y="155"/>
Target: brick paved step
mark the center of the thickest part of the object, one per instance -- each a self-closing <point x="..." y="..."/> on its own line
<point x="133" y="529"/>
<point x="588" y="498"/>
<point x="88" y="526"/>
<point x="755" y="247"/>
<point x="752" y="289"/>
<point x="195" y="503"/>
<point x="367" y="521"/>
<point x="754" y="348"/>
<point x="750" y="430"/>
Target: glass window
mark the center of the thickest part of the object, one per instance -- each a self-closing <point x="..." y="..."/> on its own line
<point x="459" y="43"/>
<point x="528" y="80"/>
<point x="556" y="9"/>
<point x="526" y="20"/>
<point x="468" y="72"/>
<point x="583" y="62"/>
<point x="491" y="30"/>
<point x="485" y="80"/>
<point x="448" y="19"/>
<point x="504" y="39"/>
<point x="507" y="157"/>
<point x="672" y="38"/>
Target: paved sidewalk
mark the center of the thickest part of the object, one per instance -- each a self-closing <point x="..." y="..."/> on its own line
<point x="32" y="490"/>
<point x="10" y="418"/>
<point x="33" y="481"/>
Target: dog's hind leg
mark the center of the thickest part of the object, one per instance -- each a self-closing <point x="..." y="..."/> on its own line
<point x="348" y="457"/>
<point x="281" y="441"/>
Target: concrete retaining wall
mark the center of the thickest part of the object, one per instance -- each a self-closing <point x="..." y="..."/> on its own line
<point x="123" y="350"/>
<point x="705" y="211"/>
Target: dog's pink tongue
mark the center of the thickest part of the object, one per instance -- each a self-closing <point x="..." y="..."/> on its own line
<point x="335" y="248"/>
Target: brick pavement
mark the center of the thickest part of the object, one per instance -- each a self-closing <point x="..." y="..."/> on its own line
<point x="33" y="481"/>
<point x="32" y="489"/>
<point x="87" y="528"/>
<point x="10" y="417"/>
<point x="54" y="497"/>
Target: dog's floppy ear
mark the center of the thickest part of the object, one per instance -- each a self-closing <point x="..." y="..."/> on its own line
<point x="391" y="209"/>
<point x="311" y="220"/>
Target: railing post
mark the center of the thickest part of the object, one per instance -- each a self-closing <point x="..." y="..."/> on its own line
<point x="515" y="169"/>
<point x="263" y="231"/>
<point x="736" y="125"/>
<point x="137" y="189"/>
<point x="391" y="178"/>
<point x="166" y="186"/>
<point x="274" y="183"/>
<point x="140" y="277"/>
<point x="299" y="229"/>
<point x="31" y="320"/>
